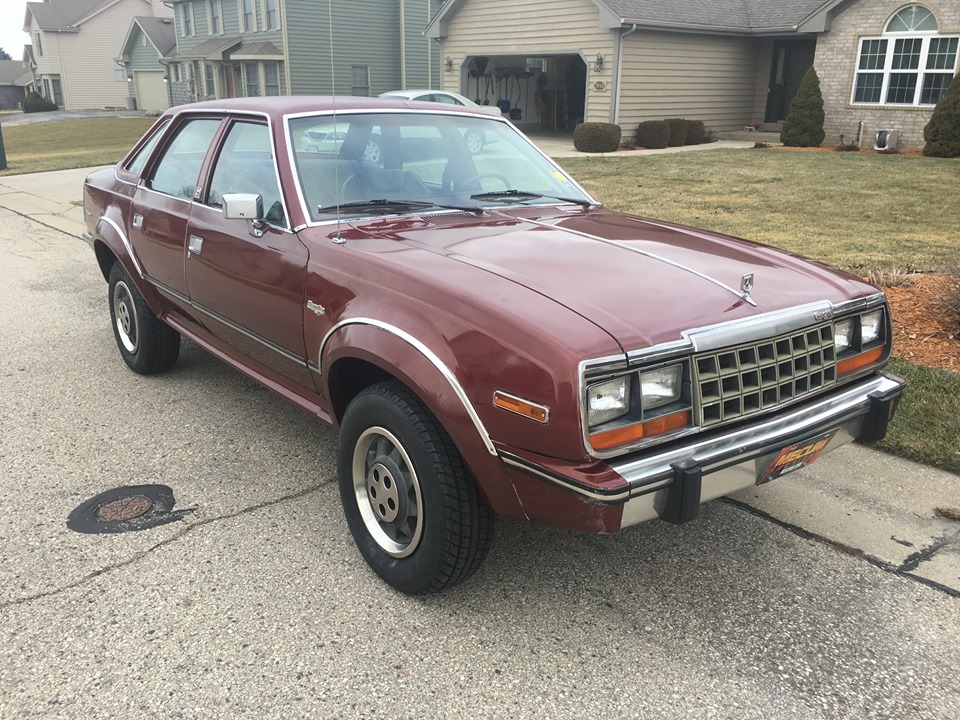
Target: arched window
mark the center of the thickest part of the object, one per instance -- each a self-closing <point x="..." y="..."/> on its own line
<point x="910" y="64"/>
<point x="915" y="18"/>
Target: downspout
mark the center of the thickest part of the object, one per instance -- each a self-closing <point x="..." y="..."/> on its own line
<point x="618" y="76"/>
<point x="403" y="46"/>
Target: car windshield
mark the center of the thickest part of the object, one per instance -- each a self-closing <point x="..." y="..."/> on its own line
<point x="406" y="162"/>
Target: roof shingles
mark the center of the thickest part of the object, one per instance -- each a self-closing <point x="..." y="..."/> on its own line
<point x="735" y="15"/>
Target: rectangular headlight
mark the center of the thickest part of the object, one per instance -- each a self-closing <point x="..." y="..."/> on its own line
<point x="843" y="335"/>
<point x="660" y="387"/>
<point x="871" y="325"/>
<point x="608" y="400"/>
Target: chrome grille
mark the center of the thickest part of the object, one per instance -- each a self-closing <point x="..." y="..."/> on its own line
<point x="739" y="381"/>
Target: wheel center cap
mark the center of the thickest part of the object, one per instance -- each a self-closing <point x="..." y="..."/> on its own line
<point x="382" y="492"/>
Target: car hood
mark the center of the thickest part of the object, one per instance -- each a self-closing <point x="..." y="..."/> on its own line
<point x="642" y="281"/>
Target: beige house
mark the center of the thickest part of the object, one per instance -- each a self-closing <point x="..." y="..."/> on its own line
<point x="730" y="63"/>
<point x="74" y="45"/>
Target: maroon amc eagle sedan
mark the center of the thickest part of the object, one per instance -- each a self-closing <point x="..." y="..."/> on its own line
<point x="485" y="335"/>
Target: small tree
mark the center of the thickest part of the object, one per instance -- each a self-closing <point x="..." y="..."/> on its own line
<point x="942" y="133"/>
<point x="804" y="124"/>
<point x="4" y="55"/>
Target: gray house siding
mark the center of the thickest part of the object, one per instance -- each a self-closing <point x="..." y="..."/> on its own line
<point x="365" y="35"/>
<point x="423" y="58"/>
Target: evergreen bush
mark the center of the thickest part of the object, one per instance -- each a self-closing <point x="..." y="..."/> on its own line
<point x="678" y="131"/>
<point x="696" y="132"/>
<point x="653" y="134"/>
<point x="942" y="133"/>
<point x="804" y="124"/>
<point x="596" y="137"/>
<point x="35" y="102"/>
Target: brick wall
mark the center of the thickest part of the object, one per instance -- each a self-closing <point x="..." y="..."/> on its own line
<point x="836" y="62"/>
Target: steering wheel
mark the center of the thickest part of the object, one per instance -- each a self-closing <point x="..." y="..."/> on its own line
<point x="482" y="176"/>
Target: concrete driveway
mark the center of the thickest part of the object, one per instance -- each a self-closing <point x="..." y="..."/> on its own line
<point x="832" y="593"/>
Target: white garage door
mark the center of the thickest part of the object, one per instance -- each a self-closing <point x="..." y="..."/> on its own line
<point x="151" y="90"/>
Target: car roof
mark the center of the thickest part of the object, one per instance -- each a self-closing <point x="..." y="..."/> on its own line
<point x="278" y="106"/>
<point x="411" y="93"/>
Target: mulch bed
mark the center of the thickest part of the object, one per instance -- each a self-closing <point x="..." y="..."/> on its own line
<point x="923" y="331"/>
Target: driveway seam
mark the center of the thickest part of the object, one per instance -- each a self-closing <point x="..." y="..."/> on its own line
<point x="902" y="570"/>
<point x="40" y="222"/>
<point x="163" y="543"/>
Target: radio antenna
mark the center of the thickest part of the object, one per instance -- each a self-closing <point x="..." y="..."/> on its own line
<point x="333" y="91"/>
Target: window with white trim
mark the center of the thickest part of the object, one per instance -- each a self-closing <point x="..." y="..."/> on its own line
<point x="186" y="19"/>
<point x="271" y="17"/>
<point x="215" y="15"/>
<point x="248" y="16"/>
<point x="271" y="78"/>
<point x="910" y="64"/>
<point x="251" y="73"/>
<point x="360" y="76"/>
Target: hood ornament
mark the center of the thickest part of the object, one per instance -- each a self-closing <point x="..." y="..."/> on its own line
<point x="746" y="286"/>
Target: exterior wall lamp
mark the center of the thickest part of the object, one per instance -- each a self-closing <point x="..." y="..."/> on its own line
<point x="598" y="63"/>
<point x="130" y="78"/>
<point x="448" y="64"/>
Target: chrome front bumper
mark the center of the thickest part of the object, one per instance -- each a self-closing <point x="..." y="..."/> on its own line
<point x="672" y="483"/>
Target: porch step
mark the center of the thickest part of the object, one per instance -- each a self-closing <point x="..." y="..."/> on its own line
<point x="751" y="136"/>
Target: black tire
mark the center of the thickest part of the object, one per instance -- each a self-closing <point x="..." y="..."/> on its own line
<point x="438" y="529"/>
<point x="147" y="344"/>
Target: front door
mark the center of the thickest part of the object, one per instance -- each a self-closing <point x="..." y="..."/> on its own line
<point x="161" y="205"/>
<point x="791" y="61"/>
<point x="250" y="289"/>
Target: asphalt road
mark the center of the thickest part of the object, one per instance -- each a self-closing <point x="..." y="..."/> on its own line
<point x="256" y="603"/>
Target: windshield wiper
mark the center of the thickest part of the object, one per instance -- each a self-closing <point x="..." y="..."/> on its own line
<point x="381" y="203"/>
<point x="521" y="195"/>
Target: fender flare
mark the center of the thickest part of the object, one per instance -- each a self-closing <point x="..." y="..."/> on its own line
<point x="411" y="361"/>
<point x="431" y="357"/>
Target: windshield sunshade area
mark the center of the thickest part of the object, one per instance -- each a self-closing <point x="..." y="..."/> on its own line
<point x="379" y="163"/>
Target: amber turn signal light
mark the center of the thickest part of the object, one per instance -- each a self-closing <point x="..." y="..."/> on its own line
<point x="851" y="364"/>
<point x="610" y="439"/>
<point x="540" y="413"/>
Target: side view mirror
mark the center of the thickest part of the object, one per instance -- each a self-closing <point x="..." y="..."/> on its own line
<point x="245" y="206"/>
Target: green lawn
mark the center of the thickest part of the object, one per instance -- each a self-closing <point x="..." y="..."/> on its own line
<point x="857" y="211"/>
<point x="862" y="212"/>
<point x="68" y="144"/>
<point x="927" y="425"/>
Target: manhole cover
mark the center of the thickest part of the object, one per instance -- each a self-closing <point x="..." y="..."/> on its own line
<point x="125" y="509"/>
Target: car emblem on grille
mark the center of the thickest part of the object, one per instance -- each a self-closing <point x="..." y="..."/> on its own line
<point x="746" y="285"/>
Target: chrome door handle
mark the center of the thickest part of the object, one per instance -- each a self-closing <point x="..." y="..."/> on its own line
<point x="137" y="220"/>
<point x="195" y="245"/>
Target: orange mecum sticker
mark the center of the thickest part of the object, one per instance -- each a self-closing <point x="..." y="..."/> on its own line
<point x="801" y="453"/>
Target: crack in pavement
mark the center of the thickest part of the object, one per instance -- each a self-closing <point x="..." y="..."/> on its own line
<point x="902" y="570"/>
<point x="41" y="222"/>
<point x="163" y="543"/>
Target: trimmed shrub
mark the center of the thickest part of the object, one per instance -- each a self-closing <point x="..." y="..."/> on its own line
<point x="942" y="133"/>
<point x="653" y="134"/>
<point x="35" y="102"/>
<point x="596" y="137"/>
<point x="804" y="124"/>
<point x="696" y="132"/>
<point x="678" y="131"/>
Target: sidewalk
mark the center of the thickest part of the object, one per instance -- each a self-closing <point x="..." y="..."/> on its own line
<point x="54" y="199"/>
